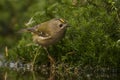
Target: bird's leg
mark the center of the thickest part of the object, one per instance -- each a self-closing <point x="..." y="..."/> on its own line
<point x="52" y="61"/>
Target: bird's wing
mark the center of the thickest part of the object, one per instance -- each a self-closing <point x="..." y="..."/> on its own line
<point x="44" y="35"/>
<point x="45" y="38"/>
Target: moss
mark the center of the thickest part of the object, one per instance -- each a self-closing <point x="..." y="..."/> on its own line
<point x="91" y="39"/>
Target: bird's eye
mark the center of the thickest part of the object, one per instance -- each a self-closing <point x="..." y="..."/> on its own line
<point x="60" y="25"/>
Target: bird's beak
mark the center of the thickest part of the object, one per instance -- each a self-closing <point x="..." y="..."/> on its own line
<point x="68" y="25"/>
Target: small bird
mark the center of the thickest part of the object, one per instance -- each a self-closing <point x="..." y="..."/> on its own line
<point x="49" y="33"/>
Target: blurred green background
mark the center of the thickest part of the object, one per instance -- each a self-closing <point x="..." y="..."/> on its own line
<point x="93" y="38"/>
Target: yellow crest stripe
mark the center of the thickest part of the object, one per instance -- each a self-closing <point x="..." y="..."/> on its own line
<point x="62" y="20"/>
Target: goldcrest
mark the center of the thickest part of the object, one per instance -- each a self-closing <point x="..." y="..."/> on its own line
<point x="49" y="32"/>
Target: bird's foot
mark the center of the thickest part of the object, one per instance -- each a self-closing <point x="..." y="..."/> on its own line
<point x="52" y="61"/>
